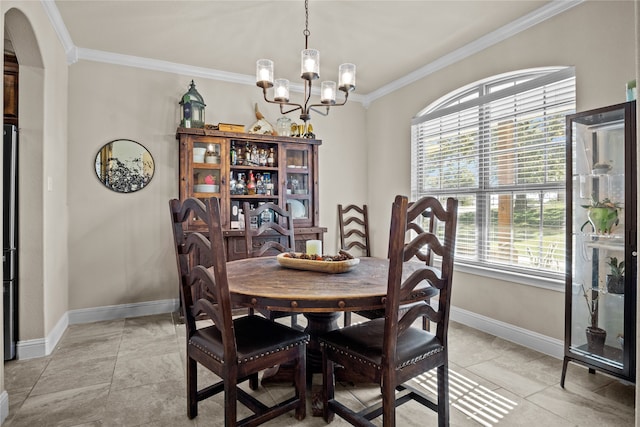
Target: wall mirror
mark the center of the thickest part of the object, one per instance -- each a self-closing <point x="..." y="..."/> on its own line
<point x="124" y="166"/>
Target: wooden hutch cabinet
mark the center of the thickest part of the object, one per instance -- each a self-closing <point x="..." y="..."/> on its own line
<point x="280" y="169"/>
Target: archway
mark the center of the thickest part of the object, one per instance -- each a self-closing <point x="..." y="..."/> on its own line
<point x="30" y="295"/>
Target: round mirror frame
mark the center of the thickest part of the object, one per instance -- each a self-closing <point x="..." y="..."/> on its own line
<point x="124" y="166"/>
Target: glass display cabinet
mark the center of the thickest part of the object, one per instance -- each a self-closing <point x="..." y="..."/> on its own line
<point x="600" y="314"/>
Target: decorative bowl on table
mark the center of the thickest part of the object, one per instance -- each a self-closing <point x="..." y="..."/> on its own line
<point x="338" y="266"/>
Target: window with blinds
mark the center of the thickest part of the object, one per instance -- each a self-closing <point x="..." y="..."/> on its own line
<point x="498" y="146"/>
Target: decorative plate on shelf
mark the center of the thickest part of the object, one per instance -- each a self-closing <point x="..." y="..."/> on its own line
<point x="297" y="209"/>
<point x="320" y="266"/>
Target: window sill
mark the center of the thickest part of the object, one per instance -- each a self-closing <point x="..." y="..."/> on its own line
<point x="543" y="282"/>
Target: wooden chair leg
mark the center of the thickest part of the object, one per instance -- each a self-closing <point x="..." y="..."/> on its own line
<point x="192" y="388"/>
<point x="328" y="387"/>
<point x="443" y="395"/>
<point x="253" y="382"/>
<point x="347" y="318"/>
<point x="230" y="401"/>
<point x="388" y="403"/>
<point x="301" y="384"/>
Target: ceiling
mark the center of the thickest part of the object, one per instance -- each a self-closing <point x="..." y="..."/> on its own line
<point x="387" y="40"/>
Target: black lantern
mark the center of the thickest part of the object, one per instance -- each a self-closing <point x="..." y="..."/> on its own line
<point x="192" y="108"/>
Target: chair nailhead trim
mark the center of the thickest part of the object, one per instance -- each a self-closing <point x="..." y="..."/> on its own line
<point x="248" y="359"/>
<point x="375" y="365"/>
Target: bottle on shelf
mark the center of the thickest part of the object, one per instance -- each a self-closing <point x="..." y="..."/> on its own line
<point x="255" y="158"/>
<point x="289" y="186"/>
<point x="247" y="154"/>
<point x="239" y="156"/>
<point x="232" y="183"/>
<point x="268" y="185"/>
<point x="241" y="187"/>
<point x="260" y="188"/>
<point x="234" y="159"/>
<point x="262" y="155"/>
<point x="271" y="159"/>
<point x="251" y="184"/>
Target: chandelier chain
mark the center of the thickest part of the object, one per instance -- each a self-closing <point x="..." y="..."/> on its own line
<point x="306" y="31"/>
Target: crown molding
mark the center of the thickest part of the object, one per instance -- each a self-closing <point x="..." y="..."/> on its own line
<point x="55" y="18"/>
<point x="75" y="53"/>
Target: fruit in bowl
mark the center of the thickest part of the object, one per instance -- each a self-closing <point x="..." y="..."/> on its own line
<point x="342" y="256"/>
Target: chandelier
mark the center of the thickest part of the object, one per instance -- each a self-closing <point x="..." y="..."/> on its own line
<point x="310" y="66"/>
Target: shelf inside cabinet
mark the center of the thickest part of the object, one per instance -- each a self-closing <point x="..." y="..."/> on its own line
<point x="614" y="244"/>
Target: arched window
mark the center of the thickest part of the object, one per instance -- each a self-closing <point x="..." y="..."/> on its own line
<point x="498" y="145"/>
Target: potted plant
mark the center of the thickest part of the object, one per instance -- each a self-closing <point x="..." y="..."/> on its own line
<point x="602" y="214"/>
<point x="615" y="278"/>
<point x="596" y="336"/>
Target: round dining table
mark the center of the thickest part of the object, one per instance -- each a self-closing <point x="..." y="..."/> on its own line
<point x="320" y="297"/>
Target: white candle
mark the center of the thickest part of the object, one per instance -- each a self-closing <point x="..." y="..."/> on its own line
<point x="309" y="65"/>
<point x="327" y="94"/>
<point x="314" y="247"/>
<point x="281" y="92"/>
<point x="264" y="74"/>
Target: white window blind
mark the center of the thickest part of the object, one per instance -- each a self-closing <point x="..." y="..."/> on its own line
<point x="501" y="152"/>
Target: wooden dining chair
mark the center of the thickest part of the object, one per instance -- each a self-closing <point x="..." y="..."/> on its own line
<point x="390" y="351"/>
<point x="353" y="224"/>
<point x="235" y="349"/>
<point x="274" y="235"/>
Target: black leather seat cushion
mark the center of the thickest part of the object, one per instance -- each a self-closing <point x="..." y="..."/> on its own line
<point x="364" y="341"/>
<point x="255" y="337"/>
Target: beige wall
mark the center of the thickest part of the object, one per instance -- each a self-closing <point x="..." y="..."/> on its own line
<point x="120" y="245"/>
<point x="598" y="38"/>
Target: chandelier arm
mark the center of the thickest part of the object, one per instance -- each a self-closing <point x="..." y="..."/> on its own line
<point x="281" y="103"/>
<point x="296" y="108"/>
<point x="311" y="107"/>
<point x="322" y="113"/>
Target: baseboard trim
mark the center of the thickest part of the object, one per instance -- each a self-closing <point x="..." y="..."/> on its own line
<point x="44" y="346"/>
<point x="30" y="349"/>
<point x="533" y="340"/>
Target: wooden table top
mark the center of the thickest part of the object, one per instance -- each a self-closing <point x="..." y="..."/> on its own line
<point x="264" y="283"/>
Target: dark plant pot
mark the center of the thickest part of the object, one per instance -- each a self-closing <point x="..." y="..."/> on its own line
<point x="615" y="285"/>
<point x="595" y="339"/>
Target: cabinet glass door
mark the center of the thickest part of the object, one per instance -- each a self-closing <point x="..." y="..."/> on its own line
<point x="206" y="173"/>
<point x="298" y="182"/>
<point x="601" y="287"/>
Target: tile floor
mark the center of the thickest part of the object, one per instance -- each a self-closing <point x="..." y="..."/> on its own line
<point x="130" y="372"/>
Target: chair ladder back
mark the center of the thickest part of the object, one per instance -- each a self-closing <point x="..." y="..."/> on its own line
<point x="189" y="249"/>
<point x="215" y="282"/>
<point x="282" y="228"/>
<point x="353" y="224"/>
<point x="443" y="247"/>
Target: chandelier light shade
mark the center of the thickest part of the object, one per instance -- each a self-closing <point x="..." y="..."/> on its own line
<point x="309" y="71"/>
